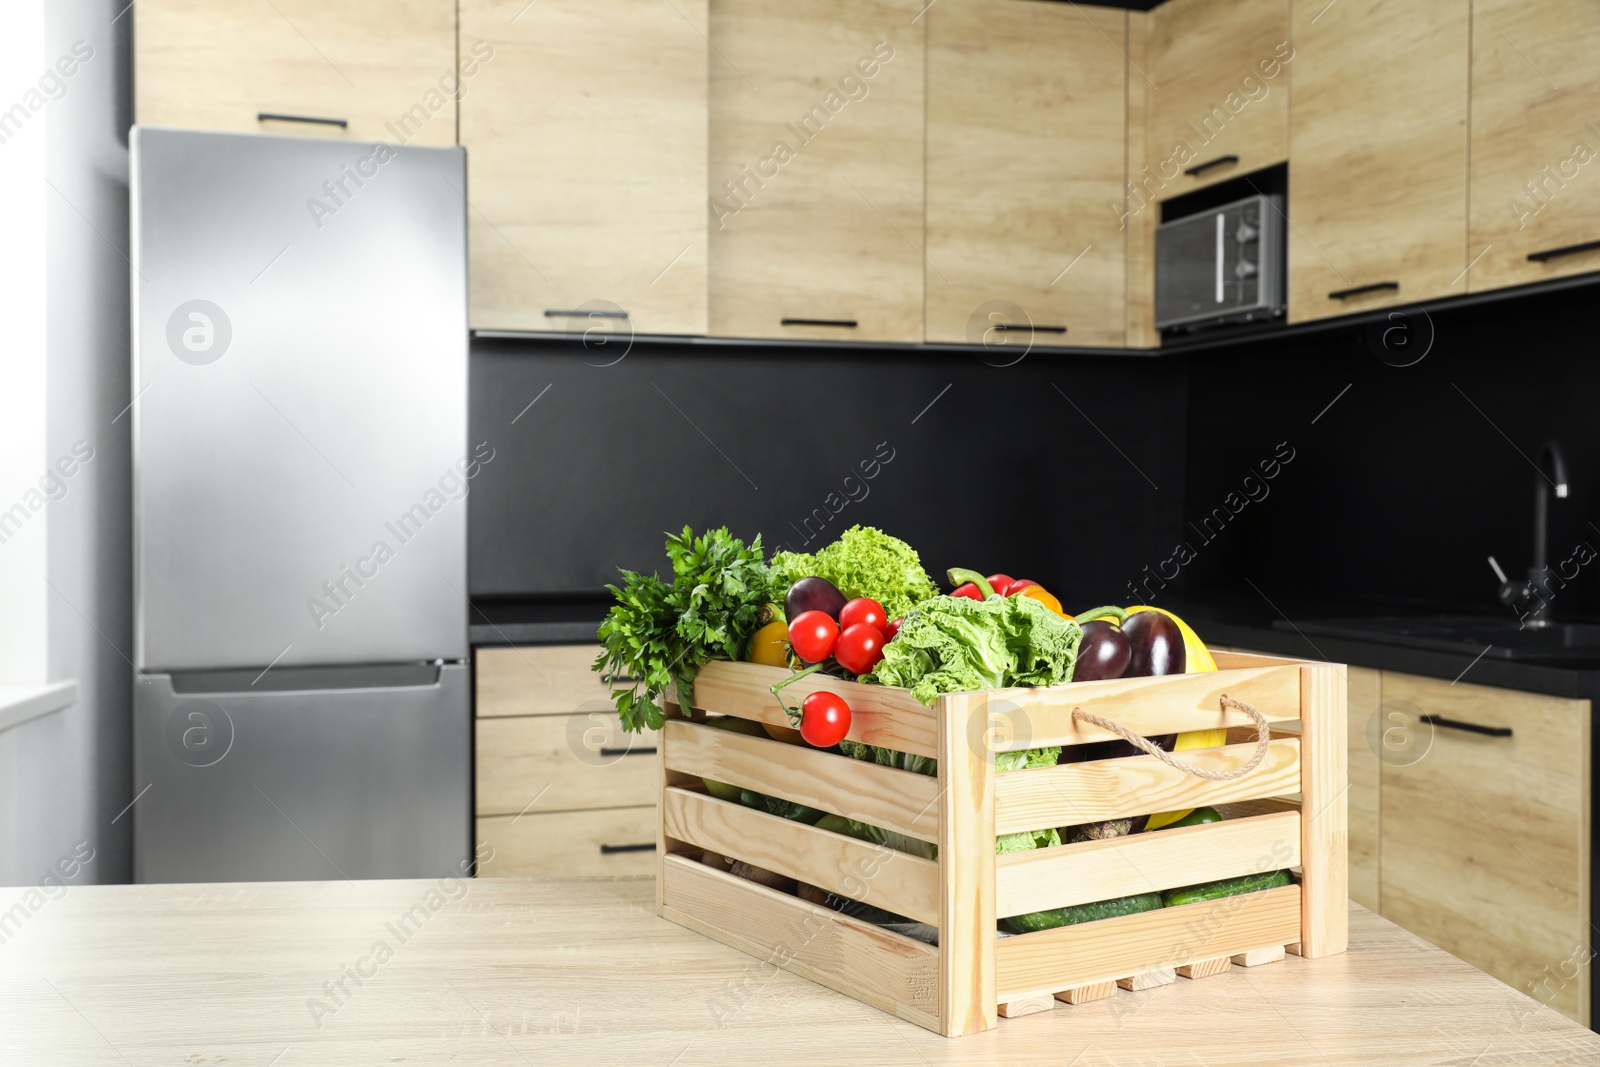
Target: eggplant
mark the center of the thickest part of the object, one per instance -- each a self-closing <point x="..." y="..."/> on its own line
<point x="813" y="594"/>
<point x="1155" y="645"/>
<point x="1103" y="652"/>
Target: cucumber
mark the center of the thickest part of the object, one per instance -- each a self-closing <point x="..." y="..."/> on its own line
<point x="1197" y="817"/>
<point x="1083" y="913"/>
<point x="788" y="809"/>
<point x="1228" y="887"/>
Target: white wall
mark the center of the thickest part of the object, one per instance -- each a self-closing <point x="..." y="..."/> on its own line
<point x="64" y="777"/>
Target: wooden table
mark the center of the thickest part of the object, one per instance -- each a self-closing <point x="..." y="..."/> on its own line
<point x="521" y="972"/>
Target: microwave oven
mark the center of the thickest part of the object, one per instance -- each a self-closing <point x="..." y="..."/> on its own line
<point x="1221" y="266"/>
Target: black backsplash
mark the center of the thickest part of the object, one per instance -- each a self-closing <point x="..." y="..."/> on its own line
<point x="1067" y="469"/>
<point x="1399" y="491"/>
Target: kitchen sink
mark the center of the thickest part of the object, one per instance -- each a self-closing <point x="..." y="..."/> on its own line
<point x="1502" y="637"/>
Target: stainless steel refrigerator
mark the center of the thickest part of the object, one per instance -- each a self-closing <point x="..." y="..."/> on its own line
<point x="299" y="406"/>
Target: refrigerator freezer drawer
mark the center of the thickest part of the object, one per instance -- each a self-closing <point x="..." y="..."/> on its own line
<point x="323" y="783"/>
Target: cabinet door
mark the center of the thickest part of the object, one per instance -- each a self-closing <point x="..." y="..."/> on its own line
<point x="1218" y="88"/>
<point x="1027" y="120"/>
<point x="1486" y="838"/>
<point x="1535" y="143"/>
<point x="1378" y="154"/>
<point x="586" y="160"/>
<point x="387" y="70"/>
<point x="1365" y="786"/>
<point x="816" y="169"/>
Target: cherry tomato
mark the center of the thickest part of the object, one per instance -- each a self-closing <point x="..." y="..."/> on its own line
<point x="824" y="718"/>
<point x="813" y="634"/>
<point x="863" y="609"/>
<point x="859" y="648"/>
<point x="967" y="590"/>
<point x="892" y="630"/>
<point x="1001" y="583"/>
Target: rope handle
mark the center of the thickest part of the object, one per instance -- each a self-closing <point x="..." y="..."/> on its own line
<point x="1263" y="738"/>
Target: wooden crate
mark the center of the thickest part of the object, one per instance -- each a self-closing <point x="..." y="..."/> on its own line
<point x="973" y="976"/>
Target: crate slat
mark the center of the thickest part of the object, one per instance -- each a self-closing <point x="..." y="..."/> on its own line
<point x="883" y="796"/>
<point x="1325" y="827"/>
<point x="1104" y="951"/>
<point x="1142" y="863"/>
<point x="889" y="718"/>
<point x="889" y="972"/>
<point x="1232" y="661"/>
<point x="1076" y="793"/>
<point x="895" y="881"/>
<point x="1147" y="706"/>
<point x="967" y="1003"/>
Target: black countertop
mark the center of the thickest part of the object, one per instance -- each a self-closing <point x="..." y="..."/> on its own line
<point x="1273" y="628"/>
<point x="1220" y="621"/>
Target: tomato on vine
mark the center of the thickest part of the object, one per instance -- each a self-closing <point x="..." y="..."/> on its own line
<point x="824" y="719"/>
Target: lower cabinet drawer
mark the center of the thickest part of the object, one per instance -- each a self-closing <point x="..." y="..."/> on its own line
<point x="615" y="842"/>
<point x="562" y="763"/>
<point x="1486" y="835"/>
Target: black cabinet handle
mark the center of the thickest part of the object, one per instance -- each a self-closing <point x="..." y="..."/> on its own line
<point x="1031" y="329"/>
<point x="269" y="116"/>
<point x="1201" y="168"/>
<point x="1375" y="287"/>
<point x="1469" y="727"/>
<point x="628" y="751"/>
<point x="607" y="850"/>
<point x="1568" y="250"/>
<point x="579" y="313"/>
<point x="847" y="324"/>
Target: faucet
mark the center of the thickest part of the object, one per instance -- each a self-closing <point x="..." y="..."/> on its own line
<point x="1552" y="467"/>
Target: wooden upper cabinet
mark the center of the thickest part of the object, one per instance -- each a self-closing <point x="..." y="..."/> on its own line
<point x="586" y="163"/>
<point x="1486" y="838"/>
<point x="1217" y="92"/>
<point x="1026" y="128"/>
<point x="1535" y="142"/>
<point x="816" y="181"/>
<point x="1378" y="154"/>
<point x="389" y="71"/>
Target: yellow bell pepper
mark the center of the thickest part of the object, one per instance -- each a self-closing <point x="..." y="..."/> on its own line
<point x="1043" y="596"/>
<point x="770" y="645"/>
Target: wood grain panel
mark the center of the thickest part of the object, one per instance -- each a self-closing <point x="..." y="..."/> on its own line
<point x="1065" y="875"/>
<point x="967" y="898"/>
<point x="895" y="881"/>
<point x="879" y="715"/>
<point x="1486" y="839"/>
<point x="538" y="680"/>
<point x="1535" y="142"/>
<point x="1364" y="799"/>
<point x="388" y="69"/>
<point x="586" y="156"/>
<point x="1147" y="706"/>
<point x="1110" y="949"/>
<point x="1026" y="142"/>
<point x="1378" y="136"/>
<point x="570" y="844"/>
<point x="1221" y="71"/>
<point x="816" y="169"/>
<point x="882" y="796"/>
<point x="1075" y="793"/>
<point x="889" y="972"/>
<point x="562" y="763"/>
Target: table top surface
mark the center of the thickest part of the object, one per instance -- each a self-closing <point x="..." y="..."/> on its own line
<point x="518" y="972"/>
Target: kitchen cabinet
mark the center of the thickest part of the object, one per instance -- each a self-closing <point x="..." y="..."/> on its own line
<point x="586" y="161"/>
<point x="816" y="172"/>
<point x="1218" y="93"/>
<point x="561" y="790"/>
<point x="1378" y="154"/>
<point x="1535" y="144"/>
<point x="1485" y="847"/>
<point x="1026" y="134"/>
<point x="369" y="72"/>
